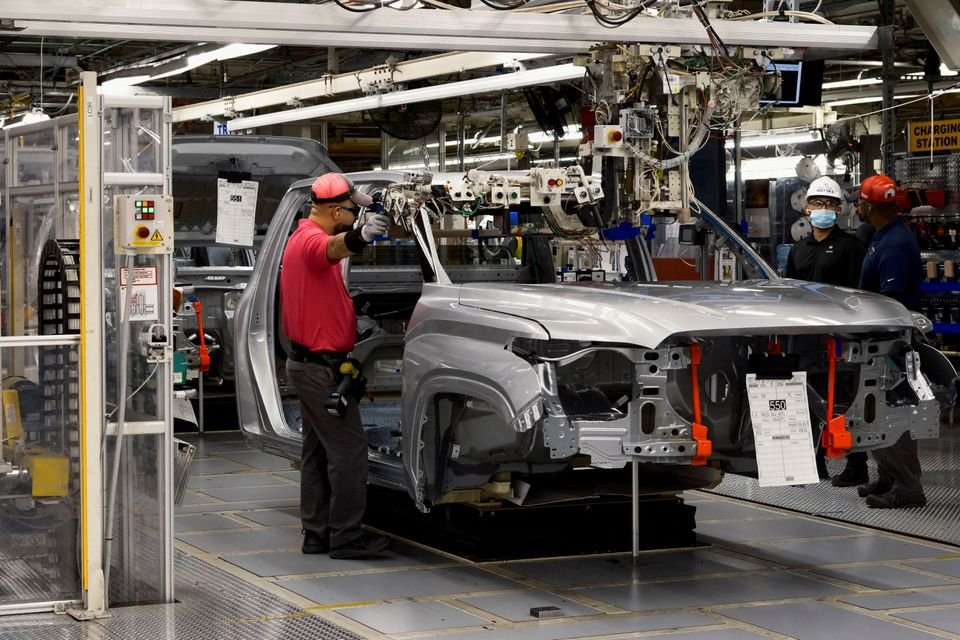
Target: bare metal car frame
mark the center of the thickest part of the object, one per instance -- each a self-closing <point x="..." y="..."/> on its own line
<point x="545" y="380"/>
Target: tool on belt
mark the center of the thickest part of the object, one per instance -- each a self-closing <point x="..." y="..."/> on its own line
<point x="351" y="384"/>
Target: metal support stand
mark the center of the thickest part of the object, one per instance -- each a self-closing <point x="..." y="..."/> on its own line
<point x="384" y="151"/>
<point x="200" y="403"/>
<point x="442" y="150"/>
<point x="461" y="140"/>
<point x="738" y="188"/>
<point x="503" y="121"/>
<point x="635" y="499"/>
<point x="888" y="119"/>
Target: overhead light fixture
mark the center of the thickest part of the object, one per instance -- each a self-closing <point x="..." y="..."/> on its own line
<point x="776" y="137"/>
<point x="482" y="158"/>
<point x="872" y="99"/>
<point x="33" y="116"/>
<point x="501" y="82"/>
<point x="184" y="63"/>
<point x="859" y="82"/>
<point x="780" y="167"/>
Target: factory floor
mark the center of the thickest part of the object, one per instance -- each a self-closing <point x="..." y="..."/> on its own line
<point x="758" y="571"/>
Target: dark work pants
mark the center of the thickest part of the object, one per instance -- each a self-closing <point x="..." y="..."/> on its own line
<point x="333" y="478"/>
<point x="899" y="466"/>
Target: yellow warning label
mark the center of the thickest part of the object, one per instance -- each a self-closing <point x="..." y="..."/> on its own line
<point x="940" y="135"/>
<point x="156" y="237"/>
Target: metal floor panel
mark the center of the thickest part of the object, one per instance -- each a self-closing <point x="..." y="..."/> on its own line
<point x="760" y="572"/>
<point x="938" y="520"/>
<point x="212" y="604"/>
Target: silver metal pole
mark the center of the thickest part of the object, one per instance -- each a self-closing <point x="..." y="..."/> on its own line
<point x="503" y="121"/>
<point x="461" y="141"/>
<point x="635" y="481"/>
<point x="442" y="150"/>
<point x="384" y="151"/>
<point x="200" y="396"/>
<point x="888" y="119"/>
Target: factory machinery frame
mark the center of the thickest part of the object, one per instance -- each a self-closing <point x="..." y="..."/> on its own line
<point x="85" y="479"/>
<point x="41" y="472"/>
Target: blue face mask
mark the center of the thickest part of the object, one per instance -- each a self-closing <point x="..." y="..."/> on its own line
<point x="823" y="218"/>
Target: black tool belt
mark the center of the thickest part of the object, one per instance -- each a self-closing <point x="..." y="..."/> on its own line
<point x="300" y="353"/>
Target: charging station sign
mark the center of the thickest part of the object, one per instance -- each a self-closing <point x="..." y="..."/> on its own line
<point x="939" y="135"/>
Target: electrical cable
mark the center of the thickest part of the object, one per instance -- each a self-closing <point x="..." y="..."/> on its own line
<point x="504" y="7"/>
<point x="343" y="5"/>
<point x="611" y="22"/>
<point x="122" y="349"/>
<point x="797" y="14"/>
<point x="137" y="390"/>
<point x="711" y="33"/>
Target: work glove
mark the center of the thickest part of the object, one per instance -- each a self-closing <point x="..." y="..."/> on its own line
<point x="376" y="225"/>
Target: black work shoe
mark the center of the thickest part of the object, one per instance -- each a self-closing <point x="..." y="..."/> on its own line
<point x="363" y="546"/>
<point x="873" y="489"/>
<point x="851" y="477"/>
<point x="896" y="500"/>
<point x="314" y="543"/>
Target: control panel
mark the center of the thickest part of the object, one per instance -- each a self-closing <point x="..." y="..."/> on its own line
<point x="143" y="224"/>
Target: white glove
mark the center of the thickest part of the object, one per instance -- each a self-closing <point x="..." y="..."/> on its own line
<point x="377" y="225"/>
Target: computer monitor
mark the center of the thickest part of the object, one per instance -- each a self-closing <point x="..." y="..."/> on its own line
<point x="801" y="83"/>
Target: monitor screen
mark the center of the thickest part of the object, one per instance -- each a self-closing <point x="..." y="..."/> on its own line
<point x="801" y="83"/>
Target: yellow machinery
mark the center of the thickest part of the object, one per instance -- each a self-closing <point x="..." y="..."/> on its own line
<point x="48" y="472"/>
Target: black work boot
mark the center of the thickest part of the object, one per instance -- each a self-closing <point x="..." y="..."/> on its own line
<point x="314" y="543"/>
<point x="851" y="476"/>
<point x="896" y="499"/>
<point x="363" y="546"/>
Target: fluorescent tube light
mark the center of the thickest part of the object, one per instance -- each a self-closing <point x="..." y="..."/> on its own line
<point x="775" y="138"/>
<point x="33" y="116"/>
<point x="501" y="82"/>
<point x="859" y="82"/>
<point x="186" y="62"/>
<point x="481" y="159"/>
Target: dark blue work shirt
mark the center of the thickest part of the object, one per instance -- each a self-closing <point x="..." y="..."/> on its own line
<point x="892" y="266"/>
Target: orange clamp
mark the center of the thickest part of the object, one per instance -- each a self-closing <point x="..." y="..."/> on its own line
<point x="835" y="438"/>
<point x="203" y="354"/>
<point x="700" y="433"/>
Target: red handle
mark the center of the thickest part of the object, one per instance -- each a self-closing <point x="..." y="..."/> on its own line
<point x="204" y="354"/>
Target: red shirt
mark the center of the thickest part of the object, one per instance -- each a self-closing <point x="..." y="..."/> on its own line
<point x="317" y="310"/>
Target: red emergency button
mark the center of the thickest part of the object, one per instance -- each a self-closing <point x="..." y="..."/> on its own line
<point x="615" y="136"/>
<point x="142" y="232"/>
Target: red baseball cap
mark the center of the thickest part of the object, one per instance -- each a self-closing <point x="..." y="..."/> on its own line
<point x="336" y="187"/>
<point x="878" y="189"/>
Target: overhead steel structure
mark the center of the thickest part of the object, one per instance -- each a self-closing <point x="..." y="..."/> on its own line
<point x="327" y="25"/>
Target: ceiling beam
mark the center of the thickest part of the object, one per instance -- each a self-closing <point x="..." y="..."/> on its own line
<point x="386" y="28"/>
<point x="312" y="38"/>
